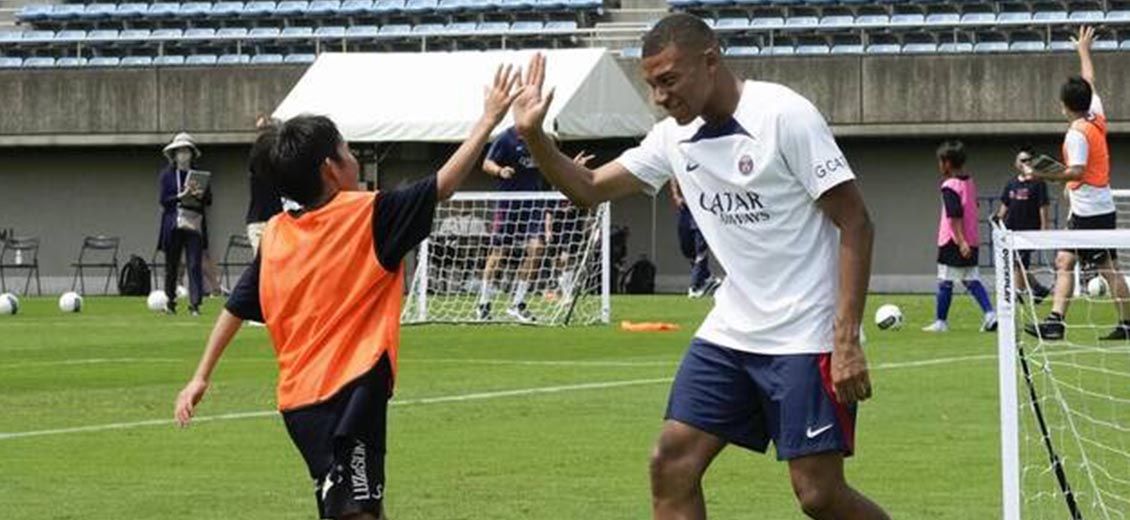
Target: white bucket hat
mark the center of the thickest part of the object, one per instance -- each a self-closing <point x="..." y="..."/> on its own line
<point x="182" y="140"/>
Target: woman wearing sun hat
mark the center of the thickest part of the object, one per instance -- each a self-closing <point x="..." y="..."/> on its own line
<point x="183" y="229"/>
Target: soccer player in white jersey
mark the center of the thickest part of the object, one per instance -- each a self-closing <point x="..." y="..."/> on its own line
<point x="779" y="357"/>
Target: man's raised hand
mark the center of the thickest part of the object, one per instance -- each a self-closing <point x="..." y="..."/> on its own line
<point x="498" y="97"/>
<point x="531" y="105"/>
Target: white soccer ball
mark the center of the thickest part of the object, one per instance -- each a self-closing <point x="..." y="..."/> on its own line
<point x="182" y="292"/>
<point x="9" y="304"/>
<point x="70" y="302"/>
<point x="157" y="301"/>
<point x="888" y="317"/>
<point x="1097" y="287"/>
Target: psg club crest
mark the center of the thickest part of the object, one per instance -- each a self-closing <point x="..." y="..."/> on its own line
<point x="745" y="165"/>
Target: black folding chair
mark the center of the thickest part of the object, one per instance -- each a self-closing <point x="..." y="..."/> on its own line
<point x="98" y="252"/>
<point x="20" y="253"/>
<point x="244" y="253"/>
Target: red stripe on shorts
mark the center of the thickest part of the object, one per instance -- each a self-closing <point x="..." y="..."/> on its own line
<point x="847" y="424"/>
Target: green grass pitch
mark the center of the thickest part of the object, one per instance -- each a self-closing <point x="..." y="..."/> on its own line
<point x="576" y="448"/>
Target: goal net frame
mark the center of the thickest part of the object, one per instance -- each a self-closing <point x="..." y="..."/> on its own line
<point x="595" y="251"/>
<point x="1013" y="367"/>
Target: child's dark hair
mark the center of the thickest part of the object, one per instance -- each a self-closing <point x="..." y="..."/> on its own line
<point x="290" y="155"/>
<point x="952" y="152"/>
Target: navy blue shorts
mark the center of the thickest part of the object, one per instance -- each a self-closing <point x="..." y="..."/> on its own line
<point x="749" y="399"/>
<point x="518" y="222"/>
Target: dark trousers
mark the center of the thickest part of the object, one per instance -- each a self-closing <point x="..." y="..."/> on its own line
<point x="191" y="244"/>
<point x="694" y="248"/>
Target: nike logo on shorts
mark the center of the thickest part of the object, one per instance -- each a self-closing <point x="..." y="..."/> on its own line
<point x="812" y="434"/>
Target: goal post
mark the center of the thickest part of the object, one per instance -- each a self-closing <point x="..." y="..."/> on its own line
<point x="513" y="257"/>
<point x="1064" y="402"/>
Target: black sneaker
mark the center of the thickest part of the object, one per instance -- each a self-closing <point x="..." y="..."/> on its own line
<point x="170" y="309"/>
<point x="1050" y="329"/>
<point x="483" y="312"/>
<point x="1121" y="332"/>
<point x="1039" y="294"/>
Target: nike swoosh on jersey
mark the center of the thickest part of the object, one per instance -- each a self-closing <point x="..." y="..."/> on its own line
<point x="811" y="434"/>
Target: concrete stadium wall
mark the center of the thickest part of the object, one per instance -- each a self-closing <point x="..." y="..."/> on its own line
<point x="79" y="150"/>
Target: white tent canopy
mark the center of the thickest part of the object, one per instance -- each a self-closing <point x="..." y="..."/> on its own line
<point x="438" y="96"/>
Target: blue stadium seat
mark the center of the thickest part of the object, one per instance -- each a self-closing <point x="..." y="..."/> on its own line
<point x="387" y="6"/>
<point x="291" y="8"/>
<point x="300" y="58"/>
<point x="195" y="9"/>
<point x="98" y="12"/>
<point x="65" y="12"/>
<point x="978" y="18"/>
<point x="511" y="5"/>
<point x="395" y="29"/>
<point x="200" y="33"/>
<point x="130" y="11"/>
<point x="801" y="22"/>
<point x="1125" y="45"/>
<point x="779" y="50"/>
<point x="102" y="35"/>
<point x="943" y="19"/>
<point x="37" y="36"/>
<point x="908" y="19"/>
<point x="362" y="31"/>
<point x="8" y="62"/>
<point x="162" y="10"/>
<point x="39" y="63"/>
<point x="884" y="48"/>
<point x="452" y="6"/>
<point x="707" y="4"/>
<point x="878" y="20"/>
<point x="767" y="22"/>
<point x="226" y="10"/>
<point x="70" y="35"/>
<point x="258" y="9"/>
<point x="355" y="7"/>
<point x="137" y="61"/>
<point x="70" y="62"/>
<point x="231" y="33"/>
<point x="920" y="48"/>
<point x="133" y="34"/>
<point x="527" y="26"/>
<point x="1050" y="16"/>
<point x="1061" y="45"/>
<point x="631" y="52"/>
<point x="561" y="25"/>
<point x="810" y="49"/>
<point x="1027" y="46"/>
<point x="990" y="47"/>
<point x="263" y="33"/>
<point x="681" y="4"/>
<point x="330" y="31"/>
<point x="1118" y="16"/>
<point x="585" y="5"/>
<point x="1105" y="45"/>
<point x="1014" y="17"/>
<point x="837" y="20"/>
<point x="169" y="60"/>
<point x="461" y="27"/>
<point x="731" y="24"/>
<point x="551" y="5"/>
<point x="201" y="60"/>
<point x="266" y="59"/>
<point x="104" y="61"/>
<point x="421" y="6"/>
<point x="233" y="59"/>
<point x="297" y="32"/>
<point x="742" y="50"/>
<point x="33" y="13"/>
<point x="11" y="36"/>
<point x="1089" y="16"/>
<point x="166" y="34"/>
<point x="323" y="8"/>
<point x="428" y="28"/>
<point x="848" y="49"/>
<point x="493" y="27"/>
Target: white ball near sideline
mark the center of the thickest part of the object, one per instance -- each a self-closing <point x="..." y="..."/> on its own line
<point x="888" y="317"/>
<point x="1097" y="287"/>
<point x="157" y="301"/>
<point x="70" y="302"/>
<point x="9" y="304"/>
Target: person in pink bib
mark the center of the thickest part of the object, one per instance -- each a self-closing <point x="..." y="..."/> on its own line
<point x="958" y="238"/>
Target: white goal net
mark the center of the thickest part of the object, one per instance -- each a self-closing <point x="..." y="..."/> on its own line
<point x="1064" y="384"/>
<point x="512" y="257"/>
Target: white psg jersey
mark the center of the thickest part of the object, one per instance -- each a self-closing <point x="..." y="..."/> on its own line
<point x="752" y="186"/>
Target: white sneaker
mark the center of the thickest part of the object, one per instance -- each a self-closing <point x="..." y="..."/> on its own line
<point x="937" y="326"/>
<point x="989" y="324"/>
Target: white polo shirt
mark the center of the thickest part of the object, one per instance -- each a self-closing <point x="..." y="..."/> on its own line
<point x="752" y="186"/>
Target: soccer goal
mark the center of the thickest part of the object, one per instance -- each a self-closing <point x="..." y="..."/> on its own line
<point x="1065" y="402"/>
<point x="548" y="262"/>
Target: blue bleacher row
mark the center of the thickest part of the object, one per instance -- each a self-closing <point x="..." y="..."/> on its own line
<point x="287" y="9"/>
<point x="952" y="47"/>
<point x="969" y="20"/>
<point x="288" y="34"/>
<point x="204" y="60"/>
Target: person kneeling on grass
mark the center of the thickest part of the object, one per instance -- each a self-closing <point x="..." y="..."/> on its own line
<point x="328" y="282"/>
